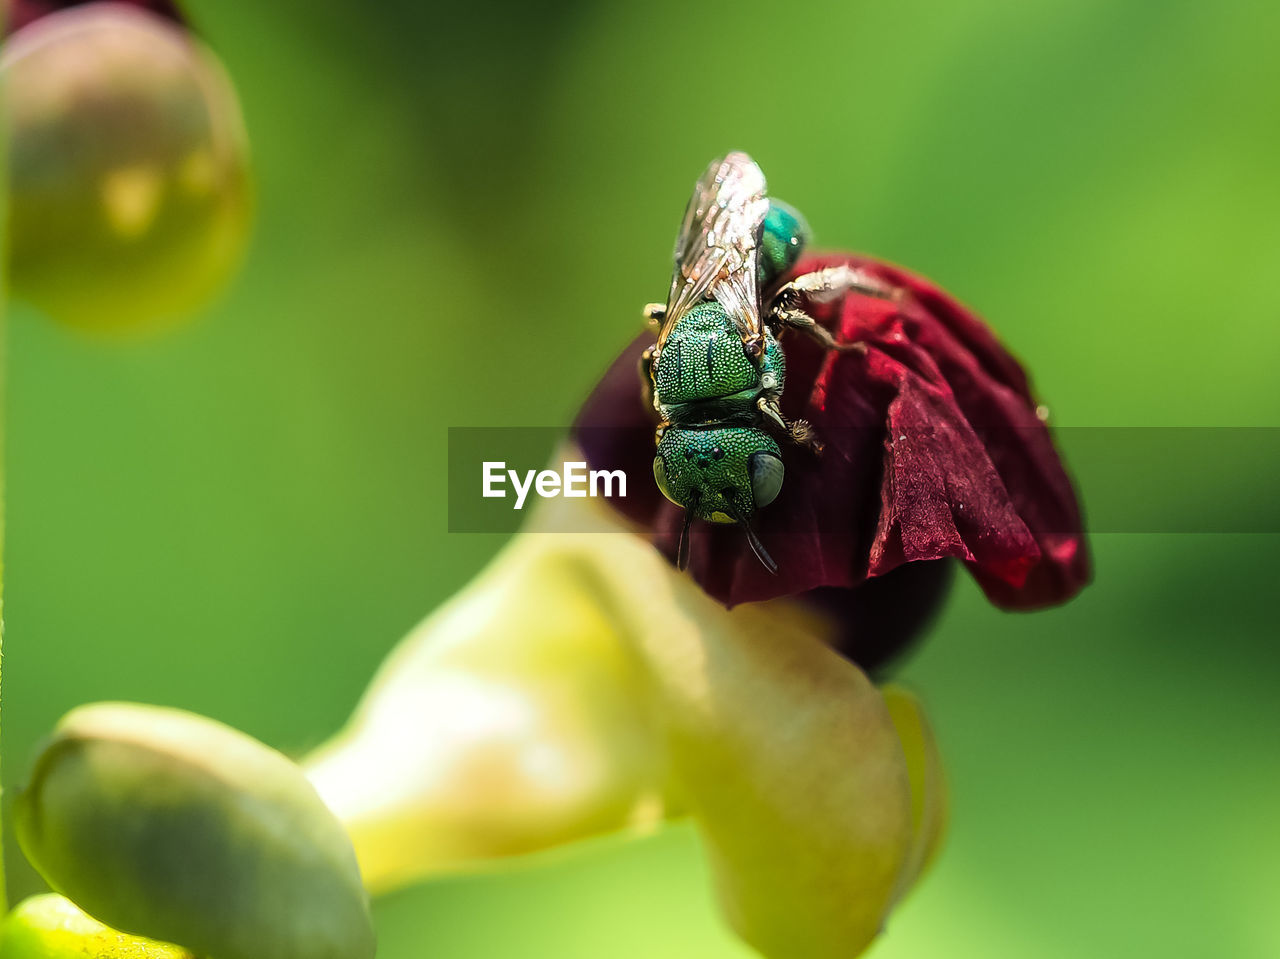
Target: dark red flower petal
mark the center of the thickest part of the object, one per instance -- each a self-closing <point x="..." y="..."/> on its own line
<point x="19" y="13"/>
<point x="933" y="449"/>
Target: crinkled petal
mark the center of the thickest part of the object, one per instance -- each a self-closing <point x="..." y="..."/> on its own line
<point x="941" y="493"/>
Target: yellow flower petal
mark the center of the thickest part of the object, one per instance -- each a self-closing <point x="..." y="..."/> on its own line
<point x="928" y="786"/>
<point x="586" y="653"/>
<point x="783" y="751"/>
<point x="52" y="927"/>
<point x="511" y="721"/>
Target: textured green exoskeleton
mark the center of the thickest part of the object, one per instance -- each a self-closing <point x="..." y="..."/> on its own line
<point x="782" y="240"/>
<point x="717" y="371"/>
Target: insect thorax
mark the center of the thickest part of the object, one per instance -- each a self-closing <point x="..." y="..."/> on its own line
<point x="704" y="374"/>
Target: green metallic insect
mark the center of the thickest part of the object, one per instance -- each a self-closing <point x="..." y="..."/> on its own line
<point x="717" y="370"/>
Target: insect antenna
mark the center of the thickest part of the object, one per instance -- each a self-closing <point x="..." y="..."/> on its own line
<point x="682" y="551"/>
<point x="757" y="547"/>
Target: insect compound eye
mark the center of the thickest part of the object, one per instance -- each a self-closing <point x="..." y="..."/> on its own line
<point x="660" y="477"/>
<point x="766" y="477"/>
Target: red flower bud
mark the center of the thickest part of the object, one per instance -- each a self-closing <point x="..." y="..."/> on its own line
<point x="933" y="448"/>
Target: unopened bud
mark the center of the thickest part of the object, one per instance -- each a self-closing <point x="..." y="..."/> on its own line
<point x="168" y="825"/>
<point x="128" y="168"/>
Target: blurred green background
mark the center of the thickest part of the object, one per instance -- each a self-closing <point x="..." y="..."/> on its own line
<point x="461" y="210"/>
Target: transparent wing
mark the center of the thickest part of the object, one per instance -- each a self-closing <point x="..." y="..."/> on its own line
<point x="716" y="252"/>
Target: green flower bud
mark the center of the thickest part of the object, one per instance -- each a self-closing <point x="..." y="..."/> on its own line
<point x="51" y="927"/>
<point x="128" y="168"/>
<point x="168" y="825"/>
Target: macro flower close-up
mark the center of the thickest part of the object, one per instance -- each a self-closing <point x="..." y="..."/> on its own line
<point x="582" y="479"/>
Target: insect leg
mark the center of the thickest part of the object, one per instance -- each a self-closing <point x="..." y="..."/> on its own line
<point x="825" y="285"/>
<point x="743" y="518"/>
<point x="655" y="313"/>
<point x="767" y="404"/>
<point x="800" y="320"/>
<point x="682" y="549"/>
<point x="646" y="375"/>
<point x="798" y="431"/>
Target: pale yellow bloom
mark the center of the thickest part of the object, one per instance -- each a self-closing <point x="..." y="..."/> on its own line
<point x="581" y="685"/>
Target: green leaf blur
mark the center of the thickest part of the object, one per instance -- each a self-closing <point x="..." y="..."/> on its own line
<point x="462" y="210"/>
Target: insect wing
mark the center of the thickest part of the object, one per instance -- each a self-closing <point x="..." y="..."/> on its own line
<point x="716" y="252"/>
